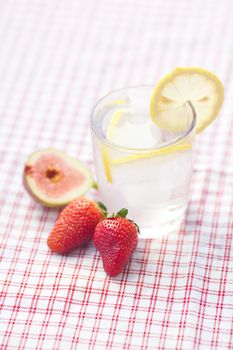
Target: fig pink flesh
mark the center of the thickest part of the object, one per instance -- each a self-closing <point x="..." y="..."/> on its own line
<point x="54" y="176"/>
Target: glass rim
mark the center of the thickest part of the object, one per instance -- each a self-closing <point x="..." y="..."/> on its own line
<point x="158" y="146"/>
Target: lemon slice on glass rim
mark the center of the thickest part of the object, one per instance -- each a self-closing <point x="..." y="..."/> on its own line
<point x="199" y="87"/>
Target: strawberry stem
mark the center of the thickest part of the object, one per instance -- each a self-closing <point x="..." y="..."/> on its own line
<point x="122" y="213"/>
<point x="95" y="185"/>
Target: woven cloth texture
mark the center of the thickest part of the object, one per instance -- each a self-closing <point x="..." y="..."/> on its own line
<point x="57" y="58"/>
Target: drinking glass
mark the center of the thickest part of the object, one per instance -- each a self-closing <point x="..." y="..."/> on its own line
<point x="152" y="182"/>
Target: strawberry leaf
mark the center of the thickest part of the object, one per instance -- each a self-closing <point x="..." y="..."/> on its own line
<point x="122" y="213"/>
<point x="103" y="208"/>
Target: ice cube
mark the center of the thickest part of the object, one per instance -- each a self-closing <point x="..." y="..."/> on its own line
<point x="139" y="100"/>
<point x="133" y="135"/>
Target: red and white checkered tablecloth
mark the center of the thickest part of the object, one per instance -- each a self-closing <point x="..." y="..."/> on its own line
<point x="56" y="59"/>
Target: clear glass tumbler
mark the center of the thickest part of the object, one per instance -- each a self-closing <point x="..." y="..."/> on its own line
<point x="151" y="178"/>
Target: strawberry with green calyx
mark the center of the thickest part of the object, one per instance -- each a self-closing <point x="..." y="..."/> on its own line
<point x="75" y="225"/>
<point x="116" y="239"/>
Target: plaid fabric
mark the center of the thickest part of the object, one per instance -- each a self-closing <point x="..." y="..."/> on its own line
<point x="56" y="59"/>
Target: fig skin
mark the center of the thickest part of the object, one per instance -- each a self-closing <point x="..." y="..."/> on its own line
<point x="80" y="167"/>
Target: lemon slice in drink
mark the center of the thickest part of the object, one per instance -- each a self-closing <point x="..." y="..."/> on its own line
<point x="199" y="87"/>
<point x="117" y="116"/>
<point x="115" y="132"/>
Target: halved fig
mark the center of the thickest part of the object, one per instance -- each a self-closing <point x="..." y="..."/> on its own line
<point x="54" y="178"/>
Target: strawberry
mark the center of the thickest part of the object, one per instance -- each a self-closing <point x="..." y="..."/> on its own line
<point x="116" y="238"/>
<point x="76" y="225"/>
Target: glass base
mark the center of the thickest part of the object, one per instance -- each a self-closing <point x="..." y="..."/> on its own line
<point x="161" y="230"/>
